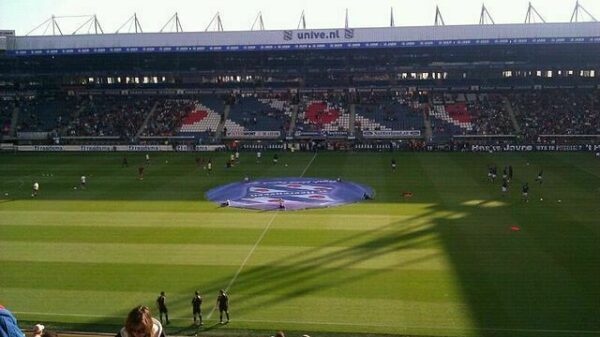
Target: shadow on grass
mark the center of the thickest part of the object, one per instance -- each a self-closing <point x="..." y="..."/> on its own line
<point x="540" y="281"/>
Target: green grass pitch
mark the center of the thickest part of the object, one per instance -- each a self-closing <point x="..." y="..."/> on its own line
<point x="444" y="262"/>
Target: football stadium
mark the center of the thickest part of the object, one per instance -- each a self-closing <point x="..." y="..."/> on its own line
<point x="437" y="180"/>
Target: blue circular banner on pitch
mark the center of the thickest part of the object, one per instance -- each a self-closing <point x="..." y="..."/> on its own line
<point x="289" y="193"/>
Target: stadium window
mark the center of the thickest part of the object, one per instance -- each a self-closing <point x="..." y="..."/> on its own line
<point x="548" y="73"/>
<point x="587" y="73"/>
<point x="507" y="73"/>
<point x="569" y="72"/>
<point x="110" y="80"/>
<point x="538" y="73"/>
<point x="164" y="79"/>
<point x="90" y="80"/>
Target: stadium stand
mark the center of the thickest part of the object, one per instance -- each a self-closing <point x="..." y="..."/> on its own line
<point x="6" y="112"/>
<point x="258" y="112"/>
<point x="557" y="113"/>
<point x="202" y="121"/>
<point x="489" y="115"/>
<point x="469" y="114"/>
<point x="388" y="112"/>
<point x="323" y="112"/>
<point x="169" y="117"/>
<point x="120" y="116"/>
<point x="45" y="114"/>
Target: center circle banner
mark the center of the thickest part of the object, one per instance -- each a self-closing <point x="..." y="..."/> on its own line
<point x="289" y="193"/>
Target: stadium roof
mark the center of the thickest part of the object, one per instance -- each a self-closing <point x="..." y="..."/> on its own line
<point x="335" y="38"/>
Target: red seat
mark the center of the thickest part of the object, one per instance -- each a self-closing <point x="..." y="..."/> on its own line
<point x="194" y="116"/>
<point x="319" y="113"/>
<point x="458" y="112"/>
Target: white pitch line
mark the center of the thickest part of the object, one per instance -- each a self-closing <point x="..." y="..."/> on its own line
<point x="437" y="327"/>
<point x="307" y="166"/>
<point x="237" y="273"/>
<point x="262" y="235"/>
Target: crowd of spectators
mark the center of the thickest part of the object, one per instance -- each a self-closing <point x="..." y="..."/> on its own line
<point x="110" y="116"/>
<point x="168" y="117"/>
<point x="139" y="322"/>
<point x="489" y="115"/>
<point x="6" y="112"/>
<point x="557" y="113"/>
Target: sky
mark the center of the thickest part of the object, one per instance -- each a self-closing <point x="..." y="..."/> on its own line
<point x="24" y="15"/>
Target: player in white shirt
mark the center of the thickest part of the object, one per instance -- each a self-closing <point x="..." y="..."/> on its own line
<point x="35" y="189"/>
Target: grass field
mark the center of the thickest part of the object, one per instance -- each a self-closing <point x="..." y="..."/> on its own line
<point x="444" y="262"/>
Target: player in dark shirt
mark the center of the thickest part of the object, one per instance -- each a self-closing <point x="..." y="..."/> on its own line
<point x="504" y="186"/>
<point x="510" y="172"/>
<point x="141" y="173"/>
<point x="162" y="307"/>
<point x="124" y="163"/>
<point x="223" y="304"/>
<point x="196" y="311"/>
<point x="525" y="192"/>
<point x="394" y="164"/>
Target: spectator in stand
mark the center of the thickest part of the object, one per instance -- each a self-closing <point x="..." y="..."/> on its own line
<point x="38" y="330"/>
<point x="140" y="323"/>
<point x="8" y="324"/>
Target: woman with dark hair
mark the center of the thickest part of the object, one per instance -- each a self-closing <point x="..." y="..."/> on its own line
<point x="140" y="323"/>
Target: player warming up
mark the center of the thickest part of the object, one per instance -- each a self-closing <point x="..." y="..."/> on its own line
<point x="525" y="192"/>
<point x="161" y="301"/>
<point x="540" y="177"/>
<point x="35" y="189"/>
<point x="196" y="310"/>
<point x="504" y="186"/>
<point x="223" y="304"/>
